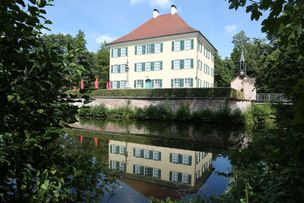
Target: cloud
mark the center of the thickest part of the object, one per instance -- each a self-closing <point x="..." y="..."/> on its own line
<point x="105" y="38"/>
<point x="154" y="3"/>
<point x="134" y="2"/>
<point x="230" y="28"/>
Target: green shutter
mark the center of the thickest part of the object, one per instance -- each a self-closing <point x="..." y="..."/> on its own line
<point x="153" y="48"/>
<point x="143" y="65"/>
<point x="172" y="65"/>
<point x="192" y="44"/>
<point x="151" y="154"/>
<point x="110" y="148"/>
<point x="143" y="49"/>
<point x="152" y="66"/>
<point x="170" y="175"/>
<point x="161" y="47"/>
<point x="161" y="83"/>
<point x="118" y="68"/>
<point x="161" y="65"/>
<point x="142" y="170"/>
<point x="182" y="64"/>
<point x="134" y="83"/>
<point x="180" y="177"/>
<point x="182" y="44"/>
<point x="117" y="165"/>
<point x="191" y="82"/>
<point x="190" y="157"/>
<point x="111" y="69"/>
<point x="135" y="67"/>
<point x="191" y="63"/>
<point x="171" y="82"/>
<point x="180" y="158"/>
<point x="159" y="173"/>
<point x="118" y="84"/>
<point x="182" y="82"/>
<point x="172" y="45"/>
<point x="189" y="176"/>
<point x="135" y="50"/>
<point x="119" y="52"/>
<point x="126" y="51"/>
<point x="142" y="153"/>
<point x="152" y="81"/>
<point x="134" y="152"/>
<point x="171" y="153"/>
<point x="112" y="53"/>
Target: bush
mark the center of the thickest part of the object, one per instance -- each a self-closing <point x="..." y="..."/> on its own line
<point x="160" y="112"/>
<point x="226" y="93"/>
<point x="164" y="112"/>
<point x="183" y="113"/>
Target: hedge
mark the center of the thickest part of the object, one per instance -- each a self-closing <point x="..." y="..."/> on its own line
<point x="226" y="92"/>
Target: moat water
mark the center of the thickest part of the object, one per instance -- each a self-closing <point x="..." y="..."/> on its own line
<point x="160" y="159"/>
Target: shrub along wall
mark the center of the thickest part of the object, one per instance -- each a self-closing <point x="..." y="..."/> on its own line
<point x="164" y="112"/>
<point x="225" y="92"/>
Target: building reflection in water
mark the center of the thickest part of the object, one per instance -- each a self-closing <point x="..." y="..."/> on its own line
<point x="161" y="165"/>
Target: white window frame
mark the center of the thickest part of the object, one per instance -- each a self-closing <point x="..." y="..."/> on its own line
<point x="187" y="82"/>
<point x="147" y="154"/>
<point x="139" y="50"/>
<point x="123" y="52"/>
<point x="157" y="48"/>
<point x="122" y="68"/>
<point x="157" y="83"/>
<point x="174" y="176"/>
<point x="176" y="64"/>
<point x="187" y="63"/>
<point x="185" y="178"/>
<point x="137" y="169"/>
<point x="139" y="83"/>
<point x="156" y="173"/>
<point x="148" y="66"/>
<point x="186" y="159"/>
<point x="156" y="155"/>
<point x="157" y="65"/>
<point x="187" y="44"/>
<point x="115" y="53"/>
<point x="177" y="45"/>
<point x="137" y="152"/>
<point x="139" y="67"/>
<point x="175" y="158"/>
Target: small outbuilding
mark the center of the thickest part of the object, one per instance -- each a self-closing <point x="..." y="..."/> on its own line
<point x="243" y="82"/>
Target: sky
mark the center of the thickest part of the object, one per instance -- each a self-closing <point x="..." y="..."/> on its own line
<point x="110" y="19"/>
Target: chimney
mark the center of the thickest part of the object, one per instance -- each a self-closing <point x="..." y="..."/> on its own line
<point x="173" y="9"/>
<point x="155" y="13"/>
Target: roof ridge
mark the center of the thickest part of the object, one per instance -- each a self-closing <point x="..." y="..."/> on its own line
<point x="162" y="25"/>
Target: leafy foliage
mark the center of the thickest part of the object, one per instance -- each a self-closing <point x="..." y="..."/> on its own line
<point x="227" y="93"/>
<point x="33" y="166"/>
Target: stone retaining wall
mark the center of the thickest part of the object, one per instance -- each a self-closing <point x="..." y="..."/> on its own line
<point x="194" y="103"/>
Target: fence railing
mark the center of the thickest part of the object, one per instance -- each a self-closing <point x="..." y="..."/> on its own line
<point x="271" y="97"/>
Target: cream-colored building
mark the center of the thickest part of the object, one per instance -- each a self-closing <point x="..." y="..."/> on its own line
<point x="177" y="166"/>
<point x="164" y="52"/>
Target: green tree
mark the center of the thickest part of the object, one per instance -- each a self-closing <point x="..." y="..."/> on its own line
<point x="270" y="169"/>
<point x="103" y="63"/>
<point x="33" y="166"/>
<point x="223" y="71"/>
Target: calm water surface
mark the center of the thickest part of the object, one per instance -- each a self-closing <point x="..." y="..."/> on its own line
<point x="160" y="159"/>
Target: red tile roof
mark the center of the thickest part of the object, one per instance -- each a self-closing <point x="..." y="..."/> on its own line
<point x="162" y="25"/>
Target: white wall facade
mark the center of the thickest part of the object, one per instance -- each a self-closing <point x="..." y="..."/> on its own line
<point x="201" y="75"/>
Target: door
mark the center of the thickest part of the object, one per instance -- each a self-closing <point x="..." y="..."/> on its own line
<point x="148" y="84"/>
